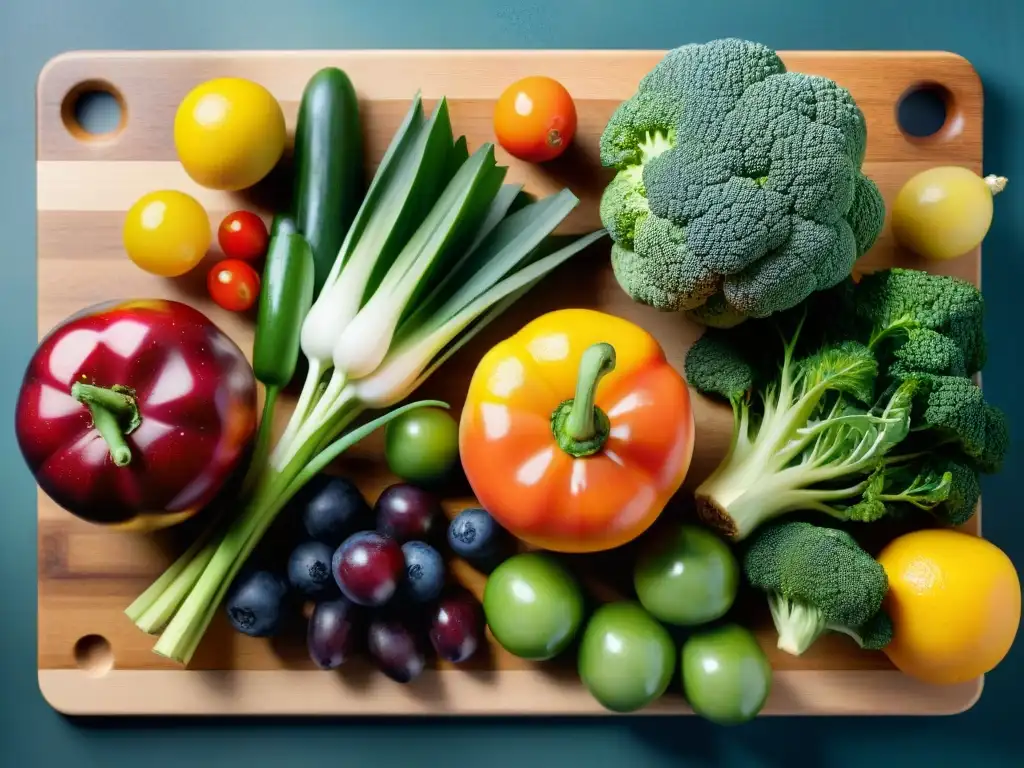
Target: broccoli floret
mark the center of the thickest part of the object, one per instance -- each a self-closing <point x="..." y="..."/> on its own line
<point x="716" y="312"/>
<point x="952" y="410"/>
<point x="894" y="299"/>
<point x="739" y="189"/>
<point x="927" y="351"/>
<point x="844" y="415"/>
<point x="945" y="488"/>
<point x="964" y="492"/>
<point x="816" y="580"/>
<point x="731" y="365"/>
<point x="997" y="440"/>
<point x="873" y="635"/>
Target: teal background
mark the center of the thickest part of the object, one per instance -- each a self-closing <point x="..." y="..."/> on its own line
<point x="989" y="33"/>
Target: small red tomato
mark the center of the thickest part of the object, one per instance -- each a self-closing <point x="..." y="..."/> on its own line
<point x="243" y="235"/>
<point x="233" y="284"/>
<point x="535" y="119"/>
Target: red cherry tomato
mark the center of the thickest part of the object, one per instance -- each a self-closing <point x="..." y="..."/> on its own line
<point x="535" y="119"/>
<point x="233" y="284"/>
<point x="243" y="235"/>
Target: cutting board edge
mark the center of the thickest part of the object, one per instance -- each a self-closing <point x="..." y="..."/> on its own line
<point x="74" y="54"/>
<point x="292" y="693"/>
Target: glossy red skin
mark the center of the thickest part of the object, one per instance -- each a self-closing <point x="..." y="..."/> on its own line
<point x="243" y="235"/>
<point x="196" y="395"/>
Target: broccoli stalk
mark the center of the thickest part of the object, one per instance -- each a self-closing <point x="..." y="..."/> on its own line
<point x="814" y="448"/>
<point x="865" y="410"/>
<point x="818" y="580"/>
<point x="800" y="624"/>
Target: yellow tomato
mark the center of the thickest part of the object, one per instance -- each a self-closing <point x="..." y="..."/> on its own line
<point x="954" y="600"/>
<point x="167" y="233"/>
<point x="944" y="212"/>
<point x="229" y="133"/>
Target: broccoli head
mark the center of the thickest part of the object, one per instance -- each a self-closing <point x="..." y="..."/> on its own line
<point x="739" y="184"/>
<point x="817" y="580"/>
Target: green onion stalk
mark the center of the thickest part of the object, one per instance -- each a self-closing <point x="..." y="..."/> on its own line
<point x="439" y="248"/>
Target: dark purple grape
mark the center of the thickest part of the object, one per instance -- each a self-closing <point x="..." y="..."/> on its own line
<point x="333" y="632"/>
<point x="368" y="568"/>
<point x="424" y="572"/>
<point x="405" y="512"/>
<point x="396" y="649"/>
<point x="457" y="627"/>
<point x="256" y="604"/>
<point x="332" y="509"/>
<point x="309" y="570"/>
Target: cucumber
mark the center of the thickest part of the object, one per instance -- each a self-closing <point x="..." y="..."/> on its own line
<point x="328" y="167"/>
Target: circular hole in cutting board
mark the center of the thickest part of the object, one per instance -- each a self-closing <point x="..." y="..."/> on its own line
<point x="924" y="110"/>
<point x="93" y="655"/>
<point x="94" y="110"/>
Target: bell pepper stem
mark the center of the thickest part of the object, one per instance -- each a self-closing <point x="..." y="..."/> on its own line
<point x="114" y="414"/>
<point x="579" y="426"/>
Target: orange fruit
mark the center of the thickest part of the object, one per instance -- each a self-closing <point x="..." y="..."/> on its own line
<point x="954" y="600"/>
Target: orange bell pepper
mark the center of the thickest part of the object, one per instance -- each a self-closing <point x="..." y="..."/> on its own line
<point x="576" y="431"/>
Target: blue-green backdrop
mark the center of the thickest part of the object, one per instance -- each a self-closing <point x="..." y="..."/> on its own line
<point x="990" y="33"/>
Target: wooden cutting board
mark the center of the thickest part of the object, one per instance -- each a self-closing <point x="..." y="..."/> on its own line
<point x="92" y="660"/>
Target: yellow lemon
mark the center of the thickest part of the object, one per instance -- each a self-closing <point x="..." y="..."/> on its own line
<point x="954" y="600"/>
<point x="229" y="133"/>
<point x="166" y="233"/>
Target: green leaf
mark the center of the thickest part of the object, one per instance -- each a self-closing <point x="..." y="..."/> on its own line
<point x="408" y="188"/>
<point x="390" y="165"/>
<point x="924" y="486"/>
<point x="516" y="285"/>
<point x="426" y="175"/>
<point x="366" y="340"/>
<point x="847" y="367"/>
<point x="460" y="209"/>
<point x="500" y="208"/>
<point x="504" y="249"/>
<point x="458" y="156"/>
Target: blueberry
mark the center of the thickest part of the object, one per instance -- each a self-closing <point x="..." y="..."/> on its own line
<point x="256" y="604"/>
<point x="424" y="572"/>
<point x="474" y="535"/>
<point x="309" y="570"/>
<point x="333" y="508"/>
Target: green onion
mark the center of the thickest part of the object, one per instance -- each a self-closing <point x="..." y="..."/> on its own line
<point x="438" y="249"/>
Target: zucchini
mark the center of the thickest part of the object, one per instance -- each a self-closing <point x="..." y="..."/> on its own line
<point x="328" y="167"/>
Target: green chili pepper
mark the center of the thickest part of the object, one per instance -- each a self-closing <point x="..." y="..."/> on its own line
<point x="286" y="294"/>
<point x="283" y="224"/>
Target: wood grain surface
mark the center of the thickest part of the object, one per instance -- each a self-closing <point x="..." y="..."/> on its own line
<point x="92" y="660"/>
